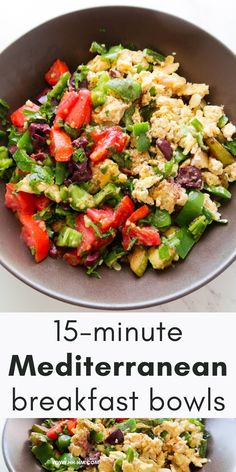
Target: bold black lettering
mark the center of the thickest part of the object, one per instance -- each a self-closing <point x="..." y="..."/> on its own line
<point x="103" y="368"/>
<point x="145" y="368"/>
<point x="182" y="368"/>
<point x="16" y="364"/>
<point x="222" y="366"/>
<point x="45" y="368"/>
<point x="160" y="367"/>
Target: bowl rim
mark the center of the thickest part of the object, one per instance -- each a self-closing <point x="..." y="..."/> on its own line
<point x="5" y="458"/>
<point x="119" y="6"/>
<point x="121" y="306"/>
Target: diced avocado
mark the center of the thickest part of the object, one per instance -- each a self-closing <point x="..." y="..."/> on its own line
<point x="219" y="151"/>
<point x="170" y="232"/>
<point x="24" y="185"/>
<point x="138" y="261"/>
<point x="38" y="428"/>
<point x="38" y="438"/>
<point x="53" y="192"/>
<point x="161" y="257"/>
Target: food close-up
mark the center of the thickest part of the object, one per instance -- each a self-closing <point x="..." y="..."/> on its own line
<point x="119" y="444"/>
<point x="122" y="161"/>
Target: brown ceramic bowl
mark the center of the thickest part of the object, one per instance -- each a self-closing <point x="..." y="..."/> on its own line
<point x="203" y="59"/>
<point x="221" y="450"/>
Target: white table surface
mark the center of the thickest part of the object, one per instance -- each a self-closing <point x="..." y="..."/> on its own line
<point x="216" y="17"/>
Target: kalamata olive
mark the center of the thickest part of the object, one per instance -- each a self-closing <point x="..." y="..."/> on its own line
<point x="39" y="156"/>
<point x="13" y="149"/>
<point x="114" y="73"/>
<point x="116" y="437"/>
<point x="189" y="177"/>
<point x="80" y="142"/>
<point x="71" y="84"/>
<point x="39" y="133"/>
<point x="83" y="84"/>
<point x="53" y="252"/>
<point x="67" y="182"/>
<point x="80" y="171"/>
<point x="91" y="259"/>
<point x="165" y="148"/>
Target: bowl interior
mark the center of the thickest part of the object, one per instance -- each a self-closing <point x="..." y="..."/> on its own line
<point x="221" y="451"/>
<point x="203" y="59"/>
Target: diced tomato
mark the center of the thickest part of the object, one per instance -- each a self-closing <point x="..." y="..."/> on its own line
<point x="72" y="257"/>
<point x="123" y="211"/>
<point x="146" y="235"/>
<point x="89" y="235"/>
<point x="126" y="240"/>
<point x="120" y="420"/>
<point x="41" y="202"/>
<point x="112" y="138"/>
<point x="98" y="133"/>
<point x="66" y="104"/>
<point x="54" y="431"/>
<point x="90" y="240"/>
<point x="18" y="118"/>
<point x="70" y="424"/>
<point x="35" y="236"/>
<point x="57" y="69"/>
<point x="60" y="145"/>
<point x="140" y="213"/>
<point x="60" y="427"/>
<point x="103" y="217"/>
<point x="23" y="202"/>
<point x="19" y="201"/>
<point x="107" y="218"/>
<point x="80" y="113"/>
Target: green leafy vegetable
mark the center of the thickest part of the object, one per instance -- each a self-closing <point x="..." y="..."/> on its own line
<point x="128" y="90"/>
<point x="231" y="146"/>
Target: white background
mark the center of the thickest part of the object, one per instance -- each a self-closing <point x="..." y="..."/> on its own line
<point x="194" y="345"/>
<point x="217" y="17"/>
